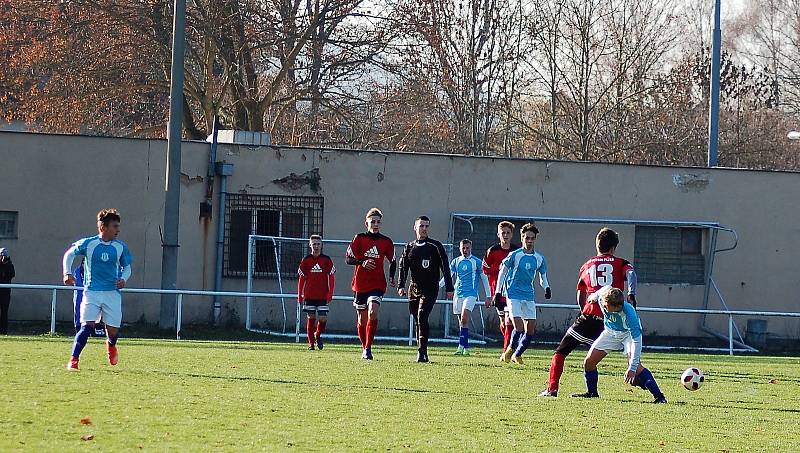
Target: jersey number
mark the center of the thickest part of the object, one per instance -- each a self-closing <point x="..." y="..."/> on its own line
<point x="601" y="275"/>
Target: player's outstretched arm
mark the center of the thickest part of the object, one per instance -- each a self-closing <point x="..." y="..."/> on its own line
<point x="631" y="281"/>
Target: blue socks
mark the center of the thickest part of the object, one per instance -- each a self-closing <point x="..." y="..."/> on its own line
<point x="515" y="337"/>
<point x="463" y="337"/>
<point x="523" y="344"/>
<point x="646" y="381"/>
<point x="591" y="380"/>
<point x="80" y="340"/>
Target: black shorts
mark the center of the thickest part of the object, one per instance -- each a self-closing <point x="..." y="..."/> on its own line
<point x="361" y="301"/>
<point x="500" y="305"/>
<point x="584" y="330"/>
<point x="421" y="301"/>
<point x="312" y="306"/>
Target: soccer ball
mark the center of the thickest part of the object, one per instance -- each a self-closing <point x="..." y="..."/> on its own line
<point x="692" y="378"/>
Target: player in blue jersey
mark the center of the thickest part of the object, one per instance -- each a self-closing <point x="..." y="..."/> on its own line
<point x="623" y="330"/>
<point x="77" y="297"/>
<point x="518" y="274"/>
<point x="107" y="268"/>
<point x="467" y="271"/>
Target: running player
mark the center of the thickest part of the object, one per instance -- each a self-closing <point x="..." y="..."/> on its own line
<point x="367" y="252"/>
<point x="517" y="274"/>
<point x="623" y="330"/>
<point x="596" y="272"/>
<point x="491" y="267"/>
<point x="467" y="276"/>
<point x="107" y="262"/>
<point x="315" y="290"/>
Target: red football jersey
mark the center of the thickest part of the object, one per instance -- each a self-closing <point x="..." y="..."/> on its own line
<point x="491" y="263"/>
<point x="315" y="278"/>
<point x="375" y="247"/>
<point x="600" y="271"/>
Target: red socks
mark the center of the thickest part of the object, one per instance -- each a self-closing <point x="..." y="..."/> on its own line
<point x="507" y="330"/>
<point x="556" y="369"/>
<point x="321" y="327"/>
<point x="372" y="327"/>
<point x="362" y="334"/>
<point x="310" y="328"/>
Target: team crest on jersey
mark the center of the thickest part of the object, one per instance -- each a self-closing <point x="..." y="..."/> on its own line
<point x="316" y="268"/>
<point x="528" y="266"/>
<point x="372" y="253"/>
<point x="464" y="267"/>
<point x="104" y="256"/>
<point x="426" y="264"/>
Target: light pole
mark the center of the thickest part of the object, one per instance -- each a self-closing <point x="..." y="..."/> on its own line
<point x="713" y="120"/>
<point x="172" y="199"/>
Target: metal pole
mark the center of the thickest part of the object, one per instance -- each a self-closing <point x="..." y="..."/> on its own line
<point x="223" y="188"/>
<point x="250" y="266"/>
<point x="180" y="315"/>
<point x="713" y="119"/>
<point x="410" y="330"/>
<point x="169" y="260"/>
<point x="53" y="312"/>
<point x="730" y="334"/>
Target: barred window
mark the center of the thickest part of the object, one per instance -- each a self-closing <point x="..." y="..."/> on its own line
<point x="8" y="224"/>
<point x="669" y="255"/>
<point x="269" y="215"/>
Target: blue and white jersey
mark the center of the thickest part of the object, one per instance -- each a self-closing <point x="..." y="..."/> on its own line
<point x="626" y="320"/>
<point x="468" y="272"/>
<point x="104" y="262"/>
<point x="518" y="273"/>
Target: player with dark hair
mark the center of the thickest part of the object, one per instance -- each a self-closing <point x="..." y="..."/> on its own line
<point x="622" y="330"/>
<point x="491" y="267"/>
<point x="107" y="264"/>
<point x="517" y="275"/>
<point x="315" y="290"/>
<point x="424" y="259"/>
<point x="367" y="252"/>
<point x="467" y="277"/>
<point x="598" y="271"/>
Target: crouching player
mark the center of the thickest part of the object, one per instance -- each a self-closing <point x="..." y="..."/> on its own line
<point x="467" y="275"/>
<point x="623" y="330"/>
<point x="315" y="290"/>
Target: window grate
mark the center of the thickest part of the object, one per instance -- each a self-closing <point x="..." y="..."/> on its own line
<point x="268" y="215"/>
<point x="669" y="255"/>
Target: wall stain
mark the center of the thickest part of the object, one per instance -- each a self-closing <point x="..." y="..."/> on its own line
<point x="293" y="181"/>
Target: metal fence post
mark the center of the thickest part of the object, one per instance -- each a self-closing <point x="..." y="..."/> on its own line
<point x="410" y="330"/>
<point x="178" y="319"/>
<point x="730" y="334"/>
<point x="53" y="312"/>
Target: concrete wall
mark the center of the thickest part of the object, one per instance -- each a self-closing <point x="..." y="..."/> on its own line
<point x="58" y="183"/>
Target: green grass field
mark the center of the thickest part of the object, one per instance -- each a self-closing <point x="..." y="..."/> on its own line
<point x="242" y="396"/>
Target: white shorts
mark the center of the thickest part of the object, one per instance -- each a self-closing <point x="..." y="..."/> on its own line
<point x="105" y="305"/>
<point x="460" y="303"/>
<point x="612" y="340"/>
<point x="518" y="308"/>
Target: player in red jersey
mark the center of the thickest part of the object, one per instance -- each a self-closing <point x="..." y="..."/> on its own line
<point x="315" y="290"/>
<point x="602" y="270"/>
<point x="491" y="267"/>
<point x="367" y="252"/>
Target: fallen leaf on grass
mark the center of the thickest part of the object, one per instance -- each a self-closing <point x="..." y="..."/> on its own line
<point x="87" y="437"/>
<point x="759" y="429"/>
<point x="86" y="421"/>
<point x="772" y="381"/>
<point x="661" y="443"/>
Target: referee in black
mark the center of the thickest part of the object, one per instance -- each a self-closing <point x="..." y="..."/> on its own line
<point x="425" y="258"/>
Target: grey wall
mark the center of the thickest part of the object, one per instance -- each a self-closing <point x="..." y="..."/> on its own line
<point x="58" y="183"/>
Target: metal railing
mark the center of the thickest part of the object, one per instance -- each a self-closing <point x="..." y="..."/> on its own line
<point x="187" y="292"/>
